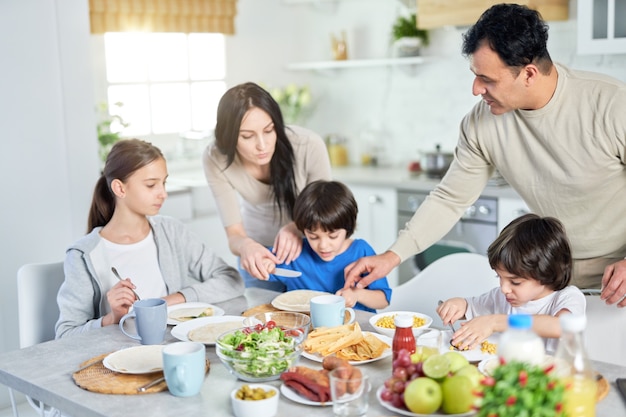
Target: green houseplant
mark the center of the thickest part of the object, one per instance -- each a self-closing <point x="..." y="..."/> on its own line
<point x="408" y="38"/>
<point x="106" y="136"/>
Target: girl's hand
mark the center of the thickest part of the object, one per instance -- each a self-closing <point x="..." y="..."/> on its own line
<point x="452" y="310"/>
<point x="288" y="244"/>
<point x="257" y="259"/>
<point x="120" y="298"/>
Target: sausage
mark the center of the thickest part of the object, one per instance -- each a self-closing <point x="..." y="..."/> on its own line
<point x="307" y="382"/>
<point x="355" y="380"/>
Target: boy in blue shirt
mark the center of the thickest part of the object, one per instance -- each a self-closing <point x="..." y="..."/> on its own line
<point x="326" y="212"/>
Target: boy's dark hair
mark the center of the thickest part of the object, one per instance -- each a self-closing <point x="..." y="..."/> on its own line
<point x="534" y="247"/>
<point x="328" y="205"/>
<point x="516" y="33"/>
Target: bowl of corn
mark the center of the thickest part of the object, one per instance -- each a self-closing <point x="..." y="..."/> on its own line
<point x="384" y="322"/>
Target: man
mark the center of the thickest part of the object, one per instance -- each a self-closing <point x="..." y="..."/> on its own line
<point x="557" y="136"/>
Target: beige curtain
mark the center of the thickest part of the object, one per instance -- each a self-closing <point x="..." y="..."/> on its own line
<point x="216" y="16"/>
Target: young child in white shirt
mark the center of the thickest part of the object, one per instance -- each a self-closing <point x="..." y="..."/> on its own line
<point x="533" y="261"/>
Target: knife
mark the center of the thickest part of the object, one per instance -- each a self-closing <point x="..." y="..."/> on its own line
<point x="287" y="273"/>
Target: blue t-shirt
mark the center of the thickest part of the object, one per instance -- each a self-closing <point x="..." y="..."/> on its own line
<point x="320" y="275"/>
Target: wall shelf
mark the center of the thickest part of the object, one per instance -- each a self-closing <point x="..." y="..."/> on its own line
<point x="354" y="63"/>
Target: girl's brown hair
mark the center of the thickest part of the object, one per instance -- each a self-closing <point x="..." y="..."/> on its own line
<point x="126" y="157"/>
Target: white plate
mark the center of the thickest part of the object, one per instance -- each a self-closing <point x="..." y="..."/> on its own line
<point x="473" y="355"/>
<point x="143" y="359"/>
<point x="294" y="396"/>
<point x="296" y="300"/>
<point x="404" y="412"/>
<point x="216" y="311"/>
<point x="386" y="353"/>
<point x="182" y="330"/>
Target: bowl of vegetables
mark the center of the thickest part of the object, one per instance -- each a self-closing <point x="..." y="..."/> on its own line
<point x="286" y="320"/>
<point x="259" y="353"/>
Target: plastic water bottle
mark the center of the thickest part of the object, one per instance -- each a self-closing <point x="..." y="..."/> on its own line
<point x="573" y="367"/>
<point x="519" y="343"/>
<point x="403" y="337"/>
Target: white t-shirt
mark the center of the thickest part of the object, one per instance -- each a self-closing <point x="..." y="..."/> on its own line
<point x="137" y="261"/>
<point x="494" y="302"/>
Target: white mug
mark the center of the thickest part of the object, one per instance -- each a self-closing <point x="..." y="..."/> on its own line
<point x="330" y="311"/>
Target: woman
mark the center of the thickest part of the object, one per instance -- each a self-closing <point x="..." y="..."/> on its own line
<point x="256" y="167"/>
<point x="163" y="259"/>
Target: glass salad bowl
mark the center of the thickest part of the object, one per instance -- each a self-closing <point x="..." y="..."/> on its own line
<point x="260" y="353"/>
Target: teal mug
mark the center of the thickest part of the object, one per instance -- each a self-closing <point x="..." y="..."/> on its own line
<point x="329" y="311"/>
<point x="183" y="367"/>
<point x="150" y="320"/>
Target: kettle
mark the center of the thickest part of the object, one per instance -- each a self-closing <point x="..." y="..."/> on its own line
<point x="436" y="163"/>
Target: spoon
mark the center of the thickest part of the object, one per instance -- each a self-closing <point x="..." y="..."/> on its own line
<point x="120" y="278"/>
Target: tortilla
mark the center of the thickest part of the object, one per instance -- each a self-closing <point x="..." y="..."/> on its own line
<point x="210" y="332"/>
<point x="296" y="300"/>
<point x="184" y="314"/>
<point x="138" y="359"/>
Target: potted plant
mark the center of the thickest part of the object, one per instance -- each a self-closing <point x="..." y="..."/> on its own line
<point x="408" y="38"/>
<point x="106" y="136"/>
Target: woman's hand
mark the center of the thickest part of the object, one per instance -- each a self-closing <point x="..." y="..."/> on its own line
<point x="120" y="298"/>
<point x="257" y="259"/>
<point x="288" y="244"/>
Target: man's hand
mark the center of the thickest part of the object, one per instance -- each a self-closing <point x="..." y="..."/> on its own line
<point x="614" y="284"/>
<point x="366" y="270"/>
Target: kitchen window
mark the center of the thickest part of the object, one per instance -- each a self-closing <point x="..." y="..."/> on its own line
<point x="168" y="83"/>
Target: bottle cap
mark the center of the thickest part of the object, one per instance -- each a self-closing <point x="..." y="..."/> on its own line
<point x="403" y="320"/>
<point x="520" y="321"/>
<point x="573" y="323"/>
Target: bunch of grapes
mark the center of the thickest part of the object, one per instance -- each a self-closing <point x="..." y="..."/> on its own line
<point x="404" y="371"/>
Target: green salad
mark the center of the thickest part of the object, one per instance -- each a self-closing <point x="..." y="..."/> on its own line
<point x="260" y="352"/>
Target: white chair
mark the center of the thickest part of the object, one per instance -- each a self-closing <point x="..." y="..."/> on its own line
<point x="454" y="275"/>
<point x="604" y="336"/>
<point x="38" y="311"/>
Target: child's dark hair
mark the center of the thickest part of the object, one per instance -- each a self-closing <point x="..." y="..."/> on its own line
<point x="328" y="205"/>
<point x="125" y="157"/>
<point x="534" y="247"/>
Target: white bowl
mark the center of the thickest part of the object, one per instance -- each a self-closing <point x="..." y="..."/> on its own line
<point x="267" y="407"/>
<point x="389" y="332"/>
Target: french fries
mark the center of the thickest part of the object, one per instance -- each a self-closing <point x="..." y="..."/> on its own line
<point x="346" y="341"/>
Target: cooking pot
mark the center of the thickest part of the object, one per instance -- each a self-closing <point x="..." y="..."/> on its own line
<point x="436" y="163"/>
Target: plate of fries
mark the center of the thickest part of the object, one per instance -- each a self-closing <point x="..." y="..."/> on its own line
<point x="347" y="342"/>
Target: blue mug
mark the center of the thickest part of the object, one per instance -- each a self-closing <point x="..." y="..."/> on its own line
<point x="150" y="320"/>
<point x="329" y="311"/>
<point x="183" y="367"/>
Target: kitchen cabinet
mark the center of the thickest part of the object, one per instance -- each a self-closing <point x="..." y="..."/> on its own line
<point x="438" y="13"/>
<point x="377" y="219"/>
<point x="601" y="26"/>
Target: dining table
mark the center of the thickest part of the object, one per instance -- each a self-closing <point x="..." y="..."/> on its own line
<point x="44" y="371"/>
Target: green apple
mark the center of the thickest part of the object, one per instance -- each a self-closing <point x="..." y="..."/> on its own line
<point x="457" y="394"/>
<point x="472" y="373"/>
<point x="423" y="396"/>
<point x="457" y="360"/>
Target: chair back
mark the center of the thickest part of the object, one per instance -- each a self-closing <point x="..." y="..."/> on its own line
<point x="604" y="336"/>
<point x="455" y="275"/>
<point x="38" y="311"/>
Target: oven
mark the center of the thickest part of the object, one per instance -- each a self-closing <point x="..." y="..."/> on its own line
<point x="474" y="232"/>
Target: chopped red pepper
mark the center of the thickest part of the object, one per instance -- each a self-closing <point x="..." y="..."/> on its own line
<point x="511" y="400"/>
<point x="523" y="378"/>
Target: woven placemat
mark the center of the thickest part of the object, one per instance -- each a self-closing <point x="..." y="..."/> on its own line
<point x="263" y="308"/>
<point x="98" y="378"/>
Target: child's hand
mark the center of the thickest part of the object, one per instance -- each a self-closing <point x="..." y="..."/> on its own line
<point x="451" y="310"/>
<point x="472" y="333"/>
<point x="350" y="295"/>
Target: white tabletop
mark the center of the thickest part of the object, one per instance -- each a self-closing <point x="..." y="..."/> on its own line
<point x="45" y="372"/>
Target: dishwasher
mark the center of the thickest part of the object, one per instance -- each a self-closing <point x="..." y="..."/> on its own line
<point x="474" y="232"/>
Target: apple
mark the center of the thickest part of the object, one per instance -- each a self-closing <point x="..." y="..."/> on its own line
<point x="457" y="360"/>
<point x="472" y="373"/>
<point x="423" y="396"/>
<point x="458" y="394"/>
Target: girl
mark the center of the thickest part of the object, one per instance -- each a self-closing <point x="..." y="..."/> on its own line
<point x="256" y="167"/>
<point x="533" y="261"/>
<point x="159" y="254"/>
